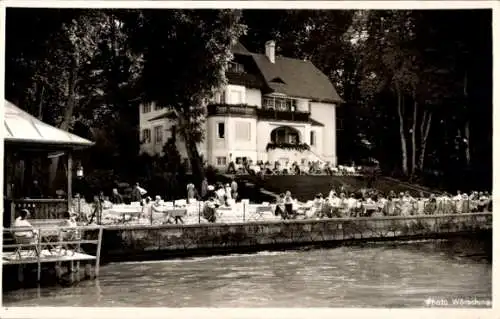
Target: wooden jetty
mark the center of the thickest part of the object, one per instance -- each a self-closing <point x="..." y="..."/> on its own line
<point x="60" y="249"/>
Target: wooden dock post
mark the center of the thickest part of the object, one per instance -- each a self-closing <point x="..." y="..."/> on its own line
<point x="88" y="270"/>
<point x="58" y="270"/>
<point x="98" y="254"/>
<point x="20" y="273"/>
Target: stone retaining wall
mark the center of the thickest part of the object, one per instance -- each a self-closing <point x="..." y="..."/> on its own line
<point x="133" y="241"/>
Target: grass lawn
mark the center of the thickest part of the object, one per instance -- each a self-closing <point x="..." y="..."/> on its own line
<point x="306" y="187"/>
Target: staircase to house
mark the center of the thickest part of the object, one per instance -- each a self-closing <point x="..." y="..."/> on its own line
<point x="316" y="157"/>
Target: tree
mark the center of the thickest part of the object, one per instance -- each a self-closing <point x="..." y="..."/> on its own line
<point x="78" y="70"/>
<point x="185" y="55"/>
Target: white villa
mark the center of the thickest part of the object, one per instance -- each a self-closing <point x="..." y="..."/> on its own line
<point x="273" y="109"/>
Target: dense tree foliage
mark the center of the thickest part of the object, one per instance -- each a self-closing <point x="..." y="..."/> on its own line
<point x="417" y="84"/>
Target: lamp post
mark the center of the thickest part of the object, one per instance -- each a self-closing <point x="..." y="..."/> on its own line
<point x="79" y="177"/>
<point x="79" y="172"/>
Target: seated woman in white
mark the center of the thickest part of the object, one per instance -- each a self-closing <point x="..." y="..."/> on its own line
<point x="288" y="205"/>
<point x="68" y="232"/>
<point x="352" y="204"/>
<point x="280" y="205"/>
<point x="221" y="195"/>
<point x="157" y="211"/>
<point x="317" y="205"/>
<point x="30" y="235"/>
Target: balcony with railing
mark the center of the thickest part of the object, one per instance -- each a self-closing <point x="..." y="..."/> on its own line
<point x="281" y="108"/>
<point x="223" y="109"/>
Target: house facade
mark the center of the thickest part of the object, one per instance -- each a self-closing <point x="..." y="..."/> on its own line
<point x="274" y="109"/>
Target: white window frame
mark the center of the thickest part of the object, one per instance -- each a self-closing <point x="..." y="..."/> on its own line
<point x="146" y="108"/>
<point x="158" y="134"/>
<point x="221" y="160"/>
<point x="312" y="138"/>
<point x="146" y="138"/>
<point x="223" y="131"/>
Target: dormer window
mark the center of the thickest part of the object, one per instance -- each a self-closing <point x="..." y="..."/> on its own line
<point x="235" y="67"/>
<point x="278" y="80"/>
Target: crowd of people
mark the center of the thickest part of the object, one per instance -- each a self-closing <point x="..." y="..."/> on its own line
<point x="292" y="168"/>
<point x="367" y="203"/>
<point x="337" y="203"/>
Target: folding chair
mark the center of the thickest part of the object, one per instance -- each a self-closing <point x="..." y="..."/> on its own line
<point x="70" y="235"/>
<point x="25" y="240"/>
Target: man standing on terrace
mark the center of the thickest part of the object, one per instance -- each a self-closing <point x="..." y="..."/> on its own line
<point x="36" y="190"/>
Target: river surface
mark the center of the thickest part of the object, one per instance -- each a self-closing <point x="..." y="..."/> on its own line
<point x="375" y="275"/>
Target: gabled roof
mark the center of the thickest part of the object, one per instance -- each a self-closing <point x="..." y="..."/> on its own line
<point x="21" y="127"/>
<point x="239" y="48"/>
<point x="165" y="115"/>
<point x="301" y="78"/>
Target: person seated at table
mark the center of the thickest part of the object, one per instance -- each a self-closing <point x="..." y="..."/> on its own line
<point x="352" y="205"/>
<point x="220" y="193"/>
<point x="483" y="202"/>
<point x="318" y="205"/>
<point x="331" y="195"/>
<point x="288" y="205"/>
<point x="209" y="210"/>
<point x="370" y="206"/>
<point x="335" y="204"/>
<point x="210" y="192"/>
<point x="156" y="210"/>
<point x="67" y="233"/>
<point x="116" y="198"/>
<point x="106" y="203"/>
<point x="458" y="196"/>
<point x="392" y="195"/>
<point x="420" y="204"/>
<point x="489" y="203"/>
<point x="343" y="207"/>
<point x="280" y="205"/>
<point x="430" y="206"/>
<point x="28" y="236"/>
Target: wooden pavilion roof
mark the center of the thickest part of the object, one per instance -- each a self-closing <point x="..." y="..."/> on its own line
<point x="21" y="128"/>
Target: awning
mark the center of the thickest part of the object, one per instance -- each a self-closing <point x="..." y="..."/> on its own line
<point x="21" y="127"/>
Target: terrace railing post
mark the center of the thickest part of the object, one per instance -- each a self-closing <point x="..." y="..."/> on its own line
<point x="199" y="212"/>
<point x="98" y="253"/>
<point x="12" y="213"/>
<point x="79" y="209"/>
<point x="38" y="256"/>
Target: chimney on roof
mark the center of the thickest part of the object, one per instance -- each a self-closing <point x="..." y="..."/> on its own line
<point x="270" y="47"/>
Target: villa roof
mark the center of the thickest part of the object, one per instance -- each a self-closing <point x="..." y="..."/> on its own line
<point x="239" y="48"/>
<point x="21" y="127"/>
<point x="165" y="115"/>
<point x="293" y="77"/>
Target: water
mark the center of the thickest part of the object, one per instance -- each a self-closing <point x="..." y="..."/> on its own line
<point x="377" y="275"/>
